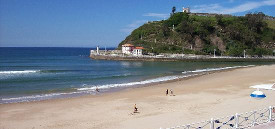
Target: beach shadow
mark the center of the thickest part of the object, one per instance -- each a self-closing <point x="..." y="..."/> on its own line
<point x="134" y="113"/>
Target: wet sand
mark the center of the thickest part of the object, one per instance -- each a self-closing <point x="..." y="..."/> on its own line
<point x="196" y="99"/>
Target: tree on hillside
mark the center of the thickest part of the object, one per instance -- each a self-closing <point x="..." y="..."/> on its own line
<point x="173" y="9"/>
<point x="219" y="20"/>
<point x="255" y="21"/>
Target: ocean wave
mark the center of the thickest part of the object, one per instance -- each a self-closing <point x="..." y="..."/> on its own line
<point x="149" y="81"/>
<point x="39" y="97"/>
<point x="38" y="71"/>
<point x="57" y="71"/>
<point x="216" y="69"/>
<point x="19" y="72"/>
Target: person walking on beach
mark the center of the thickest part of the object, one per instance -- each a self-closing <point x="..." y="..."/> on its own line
<point x="135" y="108"/>
<point x="167" y="92"/>
<point x="171" y="91"/>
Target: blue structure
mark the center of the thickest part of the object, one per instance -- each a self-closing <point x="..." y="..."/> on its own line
<point x="257" y="94"/>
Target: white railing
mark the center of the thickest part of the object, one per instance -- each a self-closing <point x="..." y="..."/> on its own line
<point x="237" y="121"/>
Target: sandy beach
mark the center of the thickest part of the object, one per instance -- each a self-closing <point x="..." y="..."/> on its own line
<point x="196" y="99"/>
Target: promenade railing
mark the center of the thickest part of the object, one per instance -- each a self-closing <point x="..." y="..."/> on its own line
<point x="237" y="121"/>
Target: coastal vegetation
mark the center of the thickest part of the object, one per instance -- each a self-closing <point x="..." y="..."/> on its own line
<point x="189" y="33"/>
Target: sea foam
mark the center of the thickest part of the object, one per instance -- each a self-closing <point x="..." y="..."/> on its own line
<point x="19" y="72"/>
<point x="40" y="97"/>
<point x="155" y="80"/>
<point x="12" y="74"/>
<point x="216" y="69"/>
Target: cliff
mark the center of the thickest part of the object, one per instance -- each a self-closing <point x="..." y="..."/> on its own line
<point x="193" y="34"/>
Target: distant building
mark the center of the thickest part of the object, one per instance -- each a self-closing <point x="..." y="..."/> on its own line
<point x="138" y="51"/>
<point x="130" y="49"/>
<point x="127" y="48"/>
<point x="186" y="10"/>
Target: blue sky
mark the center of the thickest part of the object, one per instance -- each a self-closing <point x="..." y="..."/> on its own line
<point x="88" y="23"/>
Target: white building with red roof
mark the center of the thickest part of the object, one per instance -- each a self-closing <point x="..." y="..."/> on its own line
<point x="131" y="49"/>
<point x="127" y="48"/>
<point x="137" y="51"/>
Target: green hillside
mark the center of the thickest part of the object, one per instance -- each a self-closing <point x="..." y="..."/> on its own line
<point x="229" y="35"/>
<point x="270" y="23"/>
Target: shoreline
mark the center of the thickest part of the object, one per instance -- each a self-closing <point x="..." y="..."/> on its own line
<point x="91" y="91"/>
<point x="196" y="99"/>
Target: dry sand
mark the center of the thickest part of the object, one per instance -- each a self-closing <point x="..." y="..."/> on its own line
<point x="196" y="99"/>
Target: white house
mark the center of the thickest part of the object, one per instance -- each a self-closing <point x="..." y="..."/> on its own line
<point x="127" y="48"/>
<point x="186" y="10"/>
<point x="138" y="51"/>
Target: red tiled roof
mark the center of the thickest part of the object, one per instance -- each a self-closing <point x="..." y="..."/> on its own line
<point x="139" y="48"/>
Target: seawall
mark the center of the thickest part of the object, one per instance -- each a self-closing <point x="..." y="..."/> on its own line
<point x="188" y="59"/>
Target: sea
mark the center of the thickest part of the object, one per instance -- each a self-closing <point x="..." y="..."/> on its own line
<point x="42" y="73"/>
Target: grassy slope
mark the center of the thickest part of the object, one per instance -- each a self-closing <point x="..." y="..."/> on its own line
<point x="270" y="23"/>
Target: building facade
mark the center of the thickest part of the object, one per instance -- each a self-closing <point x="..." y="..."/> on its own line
<point x="186" y="10"/>
<point x="138" y="51"/>
<point x="127" y="48"/>
<point x="130" y="49"/>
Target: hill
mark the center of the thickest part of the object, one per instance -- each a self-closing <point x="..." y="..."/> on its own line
<point x="190" y="33"/>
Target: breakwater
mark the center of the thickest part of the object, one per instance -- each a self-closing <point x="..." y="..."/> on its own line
<point x="115" y="55"/>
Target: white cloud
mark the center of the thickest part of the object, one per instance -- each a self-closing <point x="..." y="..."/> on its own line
<point x="269" y="2"/>
<point x="129" y="28"/>
<point x="158" y="15"/>
<point x="211" y="8"/>
<point x="217" y="8"/>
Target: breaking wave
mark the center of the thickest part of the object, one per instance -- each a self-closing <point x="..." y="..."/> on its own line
<point x="216" y="69"/>
<point x="19" y="72"/>
<point x="149" y="81"/>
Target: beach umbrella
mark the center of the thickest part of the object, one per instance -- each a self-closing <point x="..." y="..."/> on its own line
<point x="257" y="94"/>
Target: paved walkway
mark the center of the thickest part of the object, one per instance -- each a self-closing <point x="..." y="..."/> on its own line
<point x="270" y="125"/>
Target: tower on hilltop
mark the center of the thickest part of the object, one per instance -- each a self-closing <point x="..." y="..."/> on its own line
<point x="186" y="10"/>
